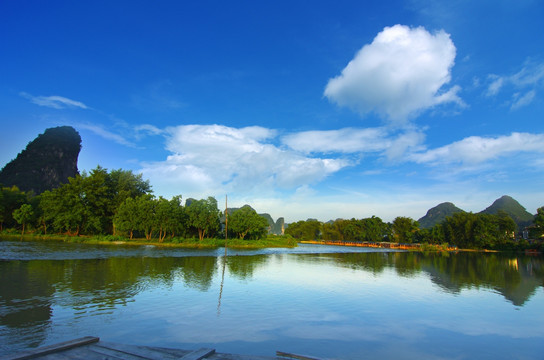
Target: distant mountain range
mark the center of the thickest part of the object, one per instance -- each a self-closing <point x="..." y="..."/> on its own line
<point x="505" y="203"/>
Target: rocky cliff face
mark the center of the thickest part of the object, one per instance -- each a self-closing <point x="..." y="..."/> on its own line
<point x="47" y="162"/>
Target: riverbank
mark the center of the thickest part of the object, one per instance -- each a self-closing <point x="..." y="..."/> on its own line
<point x="384" y="245"/>
<point x="270" y="241"/>
<point x="396" y="246"/>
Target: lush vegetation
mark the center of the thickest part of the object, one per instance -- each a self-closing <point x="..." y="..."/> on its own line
<point x="119" y="205"/>
<point x="104" y="206"/>
<point x="464" y="230"/>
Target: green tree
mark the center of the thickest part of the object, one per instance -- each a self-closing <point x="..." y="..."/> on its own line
<point x="64" y="208"/>
<point x="354" y="230"/>
<point x="330" y="232"/>
<point x="88" y="202"/>
<point x="96" y="199"/>
<point x="122" y="185"/>
<point x="458" y="229"/>
<point x="127" y="218"/>
<point x="164" y="213"/>
<point x="178" y="220"/>
<point x="468" y="230"/>
<point x="507" y="225"/>
<point x="375" y="229"/>
<point x="404" y="229"/>
<point x="11" y="198"/>
<point x="538" y="230"/>
<point x="484" y="231"/>
<point x="246" y="222"/>
<point x="203" y="215"/>
<point x="539" y="218"/>
<point x="23" y="215"/>
<point x="145" y="206"/>
<point x="305" y="230"/>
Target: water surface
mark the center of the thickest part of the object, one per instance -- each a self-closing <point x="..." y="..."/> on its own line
<point x="330" y="302"/>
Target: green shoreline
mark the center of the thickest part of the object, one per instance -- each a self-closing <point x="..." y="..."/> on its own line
<point x="210" y="243"/>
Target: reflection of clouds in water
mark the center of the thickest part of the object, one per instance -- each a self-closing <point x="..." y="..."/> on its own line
<point x="341" y="305"/>
<point x="480" y="322"/>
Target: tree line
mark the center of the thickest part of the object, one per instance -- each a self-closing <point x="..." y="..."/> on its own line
<point x="121" y="203"/>
<point x="465" y="230"/>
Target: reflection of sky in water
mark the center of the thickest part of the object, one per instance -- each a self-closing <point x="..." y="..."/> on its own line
<point x="310" y="304"/>
<point x="321" y="309"/>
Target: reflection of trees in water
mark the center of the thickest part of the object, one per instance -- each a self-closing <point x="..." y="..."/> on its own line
<point x="29" y="289"/>
<point x="25" y="303"/>
<point x="516" y="277"/>
<point x="197" y="271"/>
<point x="243" y="267"/>
<point x="406" y="264"/>
<point x="374" y="262"/>
<point x="501" y="272"/>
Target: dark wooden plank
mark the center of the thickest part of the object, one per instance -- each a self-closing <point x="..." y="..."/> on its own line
<point x="168" y="353"/>
<point x="223" y="356"/>
<point x="79" y="353"/>
<point x="294" y="356"/>
<point x="198" y="354"/>
<point x="31" y="354"/>
<point x="101" y="352"/>
<point x="144" y="352"/>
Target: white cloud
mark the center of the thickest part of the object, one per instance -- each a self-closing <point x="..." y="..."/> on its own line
<point x="147" y="129"/>
<point x="496" y="83"/>
<point x="346" y="140"/>
<point x="523" y="100"/>
<point x="54" y="101"/>
<point x="207" y="159"/>
<point x="526" y="81"/>
<point x="379" y="141"/>
<point x="401" y="73"/>
<point x="404" y="144"/>
<point x="249" y="166"/>
<point x="475" y="149"/>
<point x="531" y="74"/>
<point x="106" y="134"/>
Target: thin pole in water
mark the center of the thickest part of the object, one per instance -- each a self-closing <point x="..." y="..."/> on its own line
<point x="226" y="224"/>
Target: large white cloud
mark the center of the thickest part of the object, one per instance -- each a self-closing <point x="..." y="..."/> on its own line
<point x="477" y="149"/>
<point x="401" y="73"/>
<point x="249" y="166"/>
<point x="207" y="159"/>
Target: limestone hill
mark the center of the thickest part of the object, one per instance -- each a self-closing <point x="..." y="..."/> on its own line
<point x="438" y="214"/>
<point x="46" y="162"/>
<point x="513" y="208"/>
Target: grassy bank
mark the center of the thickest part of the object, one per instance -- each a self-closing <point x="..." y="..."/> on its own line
<point x="192" y="243"/>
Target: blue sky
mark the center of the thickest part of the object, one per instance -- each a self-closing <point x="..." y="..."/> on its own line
<point x="303" y="109"/>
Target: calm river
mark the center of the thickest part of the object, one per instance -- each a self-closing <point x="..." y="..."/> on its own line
<point x="329" y="302"/>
